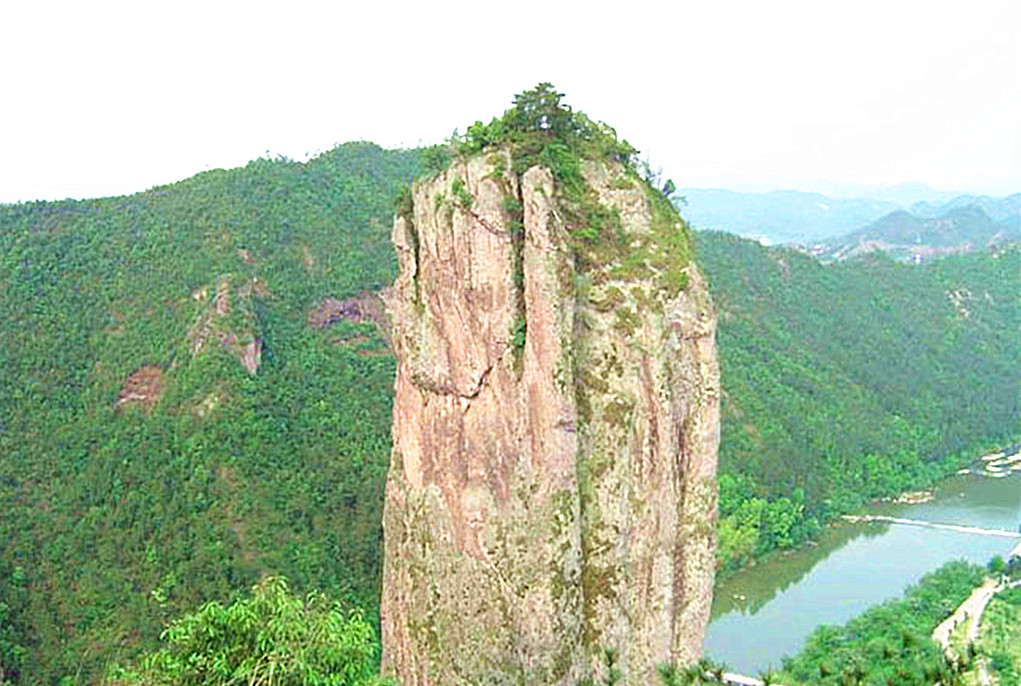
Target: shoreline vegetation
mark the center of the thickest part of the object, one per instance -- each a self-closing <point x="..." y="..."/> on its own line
<point x="917" y="496"/>
<point x="922" y="638"/>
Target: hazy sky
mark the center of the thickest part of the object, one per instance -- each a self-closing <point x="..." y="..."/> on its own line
<point x="103" y="98"/>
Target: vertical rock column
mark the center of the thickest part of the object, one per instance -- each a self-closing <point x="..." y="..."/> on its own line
<point x="482" y="552"/>
<point x="532" y="516"/>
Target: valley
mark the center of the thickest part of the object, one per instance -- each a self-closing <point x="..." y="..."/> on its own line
<point x="185" y="406"/>
<point x="853" y="566"/>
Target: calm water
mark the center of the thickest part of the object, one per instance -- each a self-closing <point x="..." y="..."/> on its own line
<point x="766" y="612"/>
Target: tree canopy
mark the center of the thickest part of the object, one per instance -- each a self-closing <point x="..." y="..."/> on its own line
<point x="271" y="637"/>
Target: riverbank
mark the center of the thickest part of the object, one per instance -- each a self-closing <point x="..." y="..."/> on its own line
<point x="852" y="566"/>
<point x="754" y="527"/>
<point x="995" y="465"/>
<point x="998" y="653"/>
<point x="889" y="642"/>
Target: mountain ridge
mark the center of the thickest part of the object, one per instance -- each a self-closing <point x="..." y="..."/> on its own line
<point x="963" y="226"/>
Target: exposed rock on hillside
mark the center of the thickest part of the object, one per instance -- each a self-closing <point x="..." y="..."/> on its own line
<point x="552" y="486"/>
<point x="366" y="307"/>
<point x="229" y="319"/>
<point x="143" y="387"/>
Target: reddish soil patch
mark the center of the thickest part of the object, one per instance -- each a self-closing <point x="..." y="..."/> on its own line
<point x="143" y="387"/>
<point x="258" y="287"/>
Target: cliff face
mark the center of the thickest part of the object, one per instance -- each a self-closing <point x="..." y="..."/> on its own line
<point x="552" y="485"/>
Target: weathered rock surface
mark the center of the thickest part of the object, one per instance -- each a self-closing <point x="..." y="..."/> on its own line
<point x="215" y="323"/>
<point x="551" y="497"/>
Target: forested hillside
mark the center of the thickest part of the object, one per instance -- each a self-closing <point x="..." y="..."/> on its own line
<point x="125" y="502"/>
<point x="852" y="381"/>
<point x="145" y="468"/>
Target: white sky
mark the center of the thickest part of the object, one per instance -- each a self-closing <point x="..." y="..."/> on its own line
<point x="101" y="98"/>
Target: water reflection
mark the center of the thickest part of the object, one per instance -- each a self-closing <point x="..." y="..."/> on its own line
<point x="749" y="590"/>
<point x="765" y="612"/>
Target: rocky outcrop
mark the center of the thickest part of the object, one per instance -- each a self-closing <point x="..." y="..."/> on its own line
<point x="366" y="307"/>
<point x="552" y="485"/>
<point x="228" y="319"/>
<point x="143" y="387"/>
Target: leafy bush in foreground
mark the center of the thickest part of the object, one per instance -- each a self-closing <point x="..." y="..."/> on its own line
<point x="272" y="637"/>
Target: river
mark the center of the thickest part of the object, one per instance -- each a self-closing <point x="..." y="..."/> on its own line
<point x="765" y="612"/>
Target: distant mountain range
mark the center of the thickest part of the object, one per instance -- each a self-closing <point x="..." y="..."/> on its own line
<point x="780" y="216"/>
<point x="838" y="228"/>
<point x="900" y="193"/>
<point x="1006" y="209"/>
<point x="964" y="224"/>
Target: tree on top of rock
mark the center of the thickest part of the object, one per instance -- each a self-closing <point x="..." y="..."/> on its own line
<point x="539" y="109"/>
<point x="539" y="122"/>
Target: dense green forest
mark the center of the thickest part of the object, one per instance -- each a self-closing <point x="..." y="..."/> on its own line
<point x="116" y="515"/>
<point x="853" y="381"/>
<point x="145" y="471"/>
